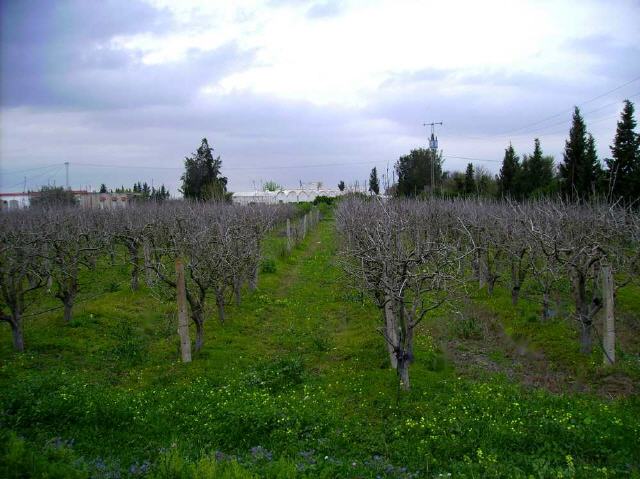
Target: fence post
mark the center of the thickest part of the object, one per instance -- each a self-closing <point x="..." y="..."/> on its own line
<point x="148" y="274"/>
<point x="183" y="319"/>
<point x="289" y="244"/>
<point x="304" y="226"/>
<point x="609" y="332"/>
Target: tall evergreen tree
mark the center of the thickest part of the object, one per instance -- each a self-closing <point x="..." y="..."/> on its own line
<point x="580" y="168"/>
<point x="202" y="179"/>
<point x="103" y="188"/>
<point x="537" y="172"/>
<point x="509" y="174"/>
<point x="341" y="185"/>
<point x="469" y="180"/>
<point x="374" y="184"/>
<point x="593" y="173"/>
<point x="623" y="169"/>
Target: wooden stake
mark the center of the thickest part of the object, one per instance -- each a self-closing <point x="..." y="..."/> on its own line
<point x="183" y="318"/>
<point x="609" y="332"/>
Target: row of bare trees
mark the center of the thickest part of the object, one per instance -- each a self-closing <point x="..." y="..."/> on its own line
<point x="219" y="245"/>
<point x="410" y="256"/>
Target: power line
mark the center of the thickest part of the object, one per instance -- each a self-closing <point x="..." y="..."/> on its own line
<point x="11" y="172"/>
<point x="232" y="168"/>
<point x="584" y="113"/>
<point x="565" y="111"/>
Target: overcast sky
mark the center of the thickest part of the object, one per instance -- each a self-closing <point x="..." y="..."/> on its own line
<point x="300" y="91"/>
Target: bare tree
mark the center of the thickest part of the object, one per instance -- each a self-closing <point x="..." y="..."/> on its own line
<point x="20" y="268"/>
<point x="73" y="240"/>
<point x="405" y="255"/>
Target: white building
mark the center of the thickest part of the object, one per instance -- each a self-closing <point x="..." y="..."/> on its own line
<point x="284" y="196"/>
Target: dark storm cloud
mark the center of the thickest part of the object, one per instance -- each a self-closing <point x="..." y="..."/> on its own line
<point x="56" y="54"/>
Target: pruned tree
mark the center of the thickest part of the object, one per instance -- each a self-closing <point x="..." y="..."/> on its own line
<point x="406" y="257"/>
<point x="73" y="241"/>
<point x="20" y="268"/>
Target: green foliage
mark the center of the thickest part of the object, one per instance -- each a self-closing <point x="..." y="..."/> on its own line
<point x="277" y="375"/>
<point x="469" y="181"/>
<point x="292" y="386"/>
<point x="508" y="185"/>
<point x="202" y="179"/>
<point x="173" y="465"/>
<point x="55" y="460"/>
<point x="374" y="183"/>
<point x="414" y="171"/>
<point x="580" y="170"/>
<point x="536" y="175"/>
<point x="130" y="345"/>
<point x="268" y="265"/>
<point x="53" y="197"/>
<point x="326" y="200"/>
<point x="271" y="186"/>
<point x="624" y="167"/>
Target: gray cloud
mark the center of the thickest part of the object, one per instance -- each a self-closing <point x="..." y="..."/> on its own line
<point x="88" y="103"/>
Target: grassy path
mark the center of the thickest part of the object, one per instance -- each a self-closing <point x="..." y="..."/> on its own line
<point x="294" y="384"/>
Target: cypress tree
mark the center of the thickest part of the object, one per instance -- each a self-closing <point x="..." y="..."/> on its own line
<point x="623" y="169"/>
<point x="592" y="172"/>
<point x="579" y="171"/>
<point x="509" y="174"/>
<point x="469" y="180"/>
<point x="374" y="184"/>
<point x="537" y="172"/>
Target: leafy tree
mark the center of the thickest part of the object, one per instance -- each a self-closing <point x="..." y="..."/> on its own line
<point x="53" y="197"/>
<point x="536" y="173"/>
<point x="469" y="180"/>
<point x="508" y="178"/>
<point x="624" y="167"/>
<point x="341" y="185"/>
<point x="485" y="183"/>
<point x="414" y="171"/>
<point x="580" y="169"/>
<point x="271" y="186"/>
<point x="374" y="184"/>
<point x="103" y="188"/>
<point x="201" y="179"/>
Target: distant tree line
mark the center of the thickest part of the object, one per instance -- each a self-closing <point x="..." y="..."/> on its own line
<point x="580" y="175"/>
<point x="142" y="191"/>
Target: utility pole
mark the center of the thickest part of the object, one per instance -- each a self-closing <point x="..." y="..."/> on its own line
<point x="433" y="146"/>
<point x="66" y="167"/>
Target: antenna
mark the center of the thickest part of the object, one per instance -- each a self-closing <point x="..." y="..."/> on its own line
<point x="66" y="166"/>
<point x="433" y="146"/>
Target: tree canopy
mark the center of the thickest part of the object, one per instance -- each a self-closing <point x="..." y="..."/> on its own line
<point x="374" y="183"/>
<point x="537" y="176"/>
<point x="414" y="171"/>
<point x="509" y="174"/>
<point x="624" y="167"/>
<point x="202" y="179"/>
<point x="579" y="171"/>
<point x="53" y="196"/>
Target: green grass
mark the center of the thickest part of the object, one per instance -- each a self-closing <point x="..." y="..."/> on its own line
<point x="294" y="384"/>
